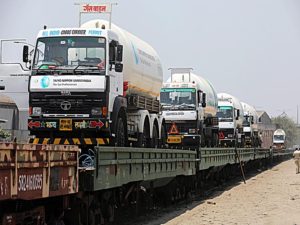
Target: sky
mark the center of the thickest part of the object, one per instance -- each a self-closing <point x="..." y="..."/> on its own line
<point x="249" y="48"/>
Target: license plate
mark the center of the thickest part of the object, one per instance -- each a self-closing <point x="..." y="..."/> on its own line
<point x="65" y="124"/>
<point x="174" y="140"/>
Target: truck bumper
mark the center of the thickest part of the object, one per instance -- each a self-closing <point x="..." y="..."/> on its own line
<point x="70" y="141"/>
<point x="69" y="131"/>
<point x="227" y="142"/>
<point x="67" y="124"/>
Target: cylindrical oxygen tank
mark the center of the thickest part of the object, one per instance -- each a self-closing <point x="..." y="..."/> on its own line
<point x="141" y="64"/>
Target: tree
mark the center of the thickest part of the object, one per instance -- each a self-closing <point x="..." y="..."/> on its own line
<point x="4" y="134"/>
<point x="289" y="126"/>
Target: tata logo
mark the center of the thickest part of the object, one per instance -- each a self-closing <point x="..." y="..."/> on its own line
<point x="65" y="105"/>
<point x="45" y="82"/>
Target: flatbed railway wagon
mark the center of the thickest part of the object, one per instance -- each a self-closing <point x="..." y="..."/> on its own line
<point x="40" y="184"/>
<point x="29" y="174"/>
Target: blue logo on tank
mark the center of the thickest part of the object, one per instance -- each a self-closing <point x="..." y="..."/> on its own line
<point x="135" y="54"/>
<point x="45" y="82"/>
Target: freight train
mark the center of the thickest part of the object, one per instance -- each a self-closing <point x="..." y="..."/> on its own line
<point x="91" y="87"/>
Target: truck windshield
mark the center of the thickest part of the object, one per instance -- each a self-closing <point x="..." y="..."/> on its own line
<point x="178" y="98"/>
<point x="279" y="137"/>
<point x="225" y="113"/>
<point x="247" y="120"/>
<point x="70" y="52"/>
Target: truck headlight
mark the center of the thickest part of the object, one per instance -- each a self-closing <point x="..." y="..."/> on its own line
<point x="97" y="111"/>
<point x="36" y="111"/>
<point x="192" y="131"/>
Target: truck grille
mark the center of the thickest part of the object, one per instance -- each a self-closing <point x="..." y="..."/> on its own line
<point x="58" y="104"/>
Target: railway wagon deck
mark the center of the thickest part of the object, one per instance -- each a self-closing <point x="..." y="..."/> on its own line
<point x="117" y="166"/>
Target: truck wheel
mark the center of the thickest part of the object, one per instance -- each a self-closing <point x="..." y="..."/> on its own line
<point x="163" y="136"/>
<point x="154" y="137"/>
<point x="144" y="138"/>
<point x="203" y="140"/>
<point x="215" y="141"/>
<point x="120" y="134"/>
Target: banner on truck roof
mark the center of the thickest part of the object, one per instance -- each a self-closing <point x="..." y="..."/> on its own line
<point x="95" y="8"/>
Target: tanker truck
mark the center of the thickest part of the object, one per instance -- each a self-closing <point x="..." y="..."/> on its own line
<point x="250" y="128"/>
<point x="279" y="139"/>
<point x="231" y="115"/>
<point x="189" y="105"/>
<point x="94" y="86"/>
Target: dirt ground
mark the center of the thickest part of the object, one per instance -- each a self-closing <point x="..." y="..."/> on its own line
<point x="269" y="198"/>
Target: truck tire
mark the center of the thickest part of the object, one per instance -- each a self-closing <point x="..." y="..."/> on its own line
<point x="155" y="137"/>
<point x="215" y="141"/>
<point x="144" y="138"/>
<point x="163" y="136"/>
<point x="203" y="140"/>
<point x="120" y="140"/>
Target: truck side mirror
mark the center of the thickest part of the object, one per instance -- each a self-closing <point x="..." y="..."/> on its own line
<point x="119" y="67"/>
<point x="25" y="53"/>
<point x="112" y="54"/>
<point x="199" y="96"/>
<point x="119" y="57"/>
<point x="203" y="100"/>
<point x="237" y="114"/>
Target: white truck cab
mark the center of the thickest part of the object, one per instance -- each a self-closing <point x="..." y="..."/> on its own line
<point x="189" y="105"/>
<point x="231" y="115"/>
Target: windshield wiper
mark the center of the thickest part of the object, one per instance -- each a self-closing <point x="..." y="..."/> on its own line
<point x="185" y="105"/>
<point x="43" y="68"/>
<point x="90" y="67"/>
<point x="166" y="105"/>
<point x="182" y="106"/>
